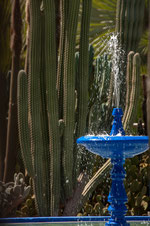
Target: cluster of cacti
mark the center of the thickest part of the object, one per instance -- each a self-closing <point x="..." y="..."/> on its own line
<point x="136" y="185"/>
<point x="12" y="194"/>
<point x="52" y="108"/>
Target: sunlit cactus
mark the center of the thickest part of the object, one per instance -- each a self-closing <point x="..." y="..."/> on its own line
<point x="133" y="89"/>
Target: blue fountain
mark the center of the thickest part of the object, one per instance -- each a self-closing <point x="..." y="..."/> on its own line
<point x="117" y="147"/>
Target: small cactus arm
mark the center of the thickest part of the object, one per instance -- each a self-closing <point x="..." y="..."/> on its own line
<point x="24" y="133"/>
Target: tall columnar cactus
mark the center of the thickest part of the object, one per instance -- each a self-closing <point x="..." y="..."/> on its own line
<point x="69" y="95"/>
<point x="34" y="141"/>
<point x="83" y="76"/>
<point x="48" y="121"/>
<point x="133" y="89"/>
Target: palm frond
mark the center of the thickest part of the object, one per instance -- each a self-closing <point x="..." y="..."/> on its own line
<point x="102" y="23"/>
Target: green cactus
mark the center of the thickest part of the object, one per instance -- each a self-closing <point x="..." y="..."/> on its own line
<point x="128" y="82"/>
<point x="69" y="96"/>
<point x="133" y="73"/>
<point x="48" y="122"/>
<point x="83" y="78"/>
<point x="129" y="23"/>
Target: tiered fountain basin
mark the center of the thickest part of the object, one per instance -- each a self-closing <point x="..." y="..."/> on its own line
<point x="117" y="147"/>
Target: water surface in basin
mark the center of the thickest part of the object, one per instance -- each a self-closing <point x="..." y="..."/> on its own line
<point x="73" y="224"/>
<point x="71" y="221"/>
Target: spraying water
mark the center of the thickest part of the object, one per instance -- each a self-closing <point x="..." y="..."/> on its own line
<point x="117" y="58"/>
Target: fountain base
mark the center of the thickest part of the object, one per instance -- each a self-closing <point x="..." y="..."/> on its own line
<point x="114" y="223"/>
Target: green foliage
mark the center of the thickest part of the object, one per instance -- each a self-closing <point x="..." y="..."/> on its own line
<point x="102" y="24"/>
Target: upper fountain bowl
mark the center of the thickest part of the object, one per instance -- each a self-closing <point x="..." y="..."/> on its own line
<point x="115" y="146"/>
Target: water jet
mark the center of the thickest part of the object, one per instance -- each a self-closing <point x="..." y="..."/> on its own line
<point x="117" y="146"/>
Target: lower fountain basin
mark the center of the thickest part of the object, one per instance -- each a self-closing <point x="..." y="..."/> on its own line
<point x="111" y="146"/>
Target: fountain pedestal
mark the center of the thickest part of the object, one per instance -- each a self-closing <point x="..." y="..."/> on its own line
<point x="117" y="196"/>
<point x="117" y="147"/>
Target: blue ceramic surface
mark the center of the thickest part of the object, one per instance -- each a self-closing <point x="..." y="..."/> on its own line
<point x="108" y="146"/>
